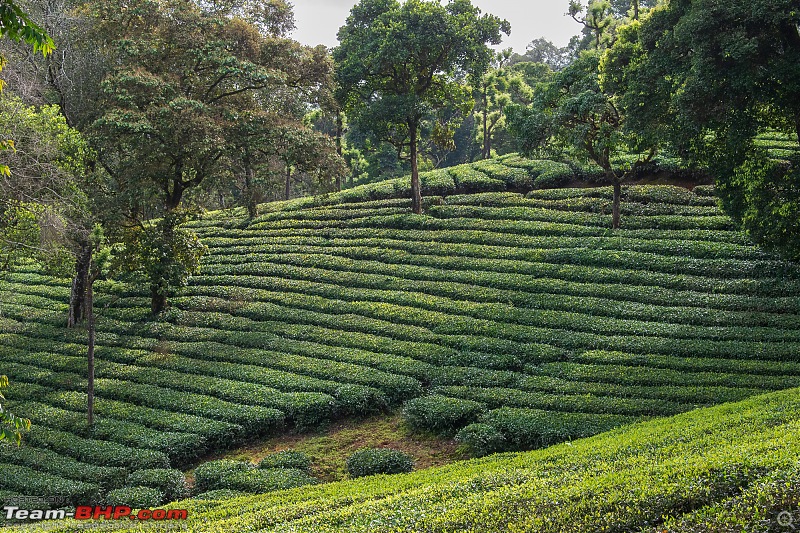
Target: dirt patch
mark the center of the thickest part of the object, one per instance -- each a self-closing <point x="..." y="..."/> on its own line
<point x="330" y="447"/>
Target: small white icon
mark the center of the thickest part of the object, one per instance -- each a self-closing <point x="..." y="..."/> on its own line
<point x="785" y="519"/>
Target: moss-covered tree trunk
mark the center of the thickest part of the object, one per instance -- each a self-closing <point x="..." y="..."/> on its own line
<point x="615" y="210"/>
<point x="416" y="190"/>
<point x="77" y="296"/>
<point x="89" y="302"/>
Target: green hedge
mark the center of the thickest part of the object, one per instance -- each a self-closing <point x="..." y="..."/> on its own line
<point x="179" y="447"/>
<point x="495" y="397"/>
<point x="26" y="480"/>
<point x="471" y="180"/>
<point x="371" y="461"/>
<point x="135" y="497"/>
<point x="286" y="459"/>
<point x="93" y="451"/>
<point x="208" y="476"/>
<point x="441" y="414"/>
<point x="480" y="440"/>
<point x="528" y="429"/>
<point x="265" y="480"/>
<point x="50" y="462"/>
<point x="170" y="483"/>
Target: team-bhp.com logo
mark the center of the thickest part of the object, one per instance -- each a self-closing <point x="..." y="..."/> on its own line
<point x="88" y="512"/>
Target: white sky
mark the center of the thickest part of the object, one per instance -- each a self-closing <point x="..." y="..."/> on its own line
<point x="318" y="21"/>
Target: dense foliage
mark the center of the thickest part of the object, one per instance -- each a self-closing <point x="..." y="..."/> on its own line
<point x="709" y="80"/>
<point x="373" y="461"/>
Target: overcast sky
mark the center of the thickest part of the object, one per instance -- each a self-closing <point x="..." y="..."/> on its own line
<point x="318" y="20"/>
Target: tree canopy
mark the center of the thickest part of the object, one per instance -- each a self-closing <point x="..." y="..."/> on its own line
<point x="709" y="78"/>
<point x="398" y="63"/>
<point x="183" y="74"/>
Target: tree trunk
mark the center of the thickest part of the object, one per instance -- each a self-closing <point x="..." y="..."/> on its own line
<point x="416" y="192"/>
<point x="485" y="151"/>
<point x="77" y="296"/>
<point x="339" y="132"/>
<point x="635" y="9"/>
<point x="288" y="191"/>
<point x="615" y="208"/>
<point x="90" y="353"/>
<point x="797" y="125"/>
<point x="158" y="300"/>
<point x="252" y="205"/>
<point x="174" y="198"/>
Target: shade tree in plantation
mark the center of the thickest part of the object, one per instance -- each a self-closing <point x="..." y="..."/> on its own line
<point x="710" y="78"/>
<point x="398" y="63"/>
<point x="305" y="153"/>
<point x="181" y="74"/>
<point x="577" y="116"/>
<point x="493" y="91"/>
<point x="45" y="198"/>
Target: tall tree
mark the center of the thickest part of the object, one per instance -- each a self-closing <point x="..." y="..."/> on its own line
<point x="578" y="113"/>
<point x="181" y="72"/>
<point x="70" y="77"/>
<point x="17" y="26"/>
<point x="597" y="19"/>
<point x="493" y="91"/>
<point x="543" y="51"/>
<point x="711" y="77"/>
<point x="398" y="63"/>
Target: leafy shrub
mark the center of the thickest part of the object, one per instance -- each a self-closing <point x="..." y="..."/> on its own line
<point x="665" y="194"/>
<point x="370" y="461"/>
<point x="437" y="183"/>
<point x="259" y="481"/>
<point x="471" y="180"/>
<point x="171" y="483"/>
<point x="441" y="414"/>
<point x="28" y="481"/>
<point x="208" y="475"/>
<point x="135" y="497"/>
<point x="528" y="429"/>
<point x="99" y="452"/>
<point x="705" y="191"/>
<point x="480" y="439"/>
<point x="515" y="177"/>
<point x="50" y="462"/>
<point x="358" y="400"/>
<point x="286" y="459"/>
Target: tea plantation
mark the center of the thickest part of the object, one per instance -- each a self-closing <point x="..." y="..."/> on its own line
<point x="732" y="467"/>
<point x="513" y="320"/>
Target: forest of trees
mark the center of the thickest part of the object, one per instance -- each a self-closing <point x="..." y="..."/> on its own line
<point x="118" y="123"/>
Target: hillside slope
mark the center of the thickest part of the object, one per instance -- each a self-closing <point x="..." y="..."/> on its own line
<point x="527" y="314"/>
<point x="728" y="468"/>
